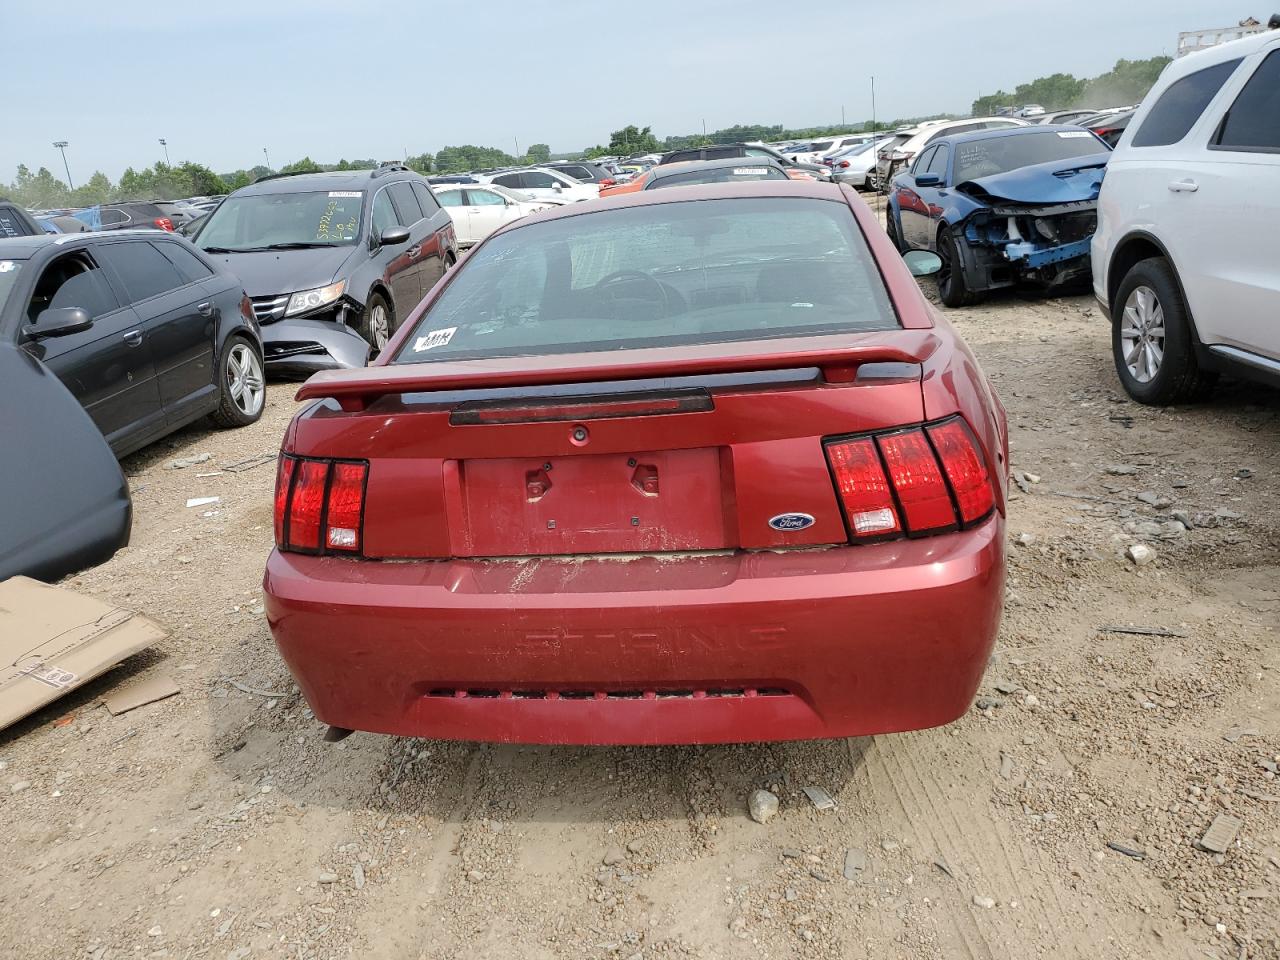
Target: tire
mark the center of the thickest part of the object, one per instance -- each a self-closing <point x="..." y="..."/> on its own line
<point x="1152" y="341"/>
<point x="377" y="321"/>
<point x="243" y="383"/>
<point x="891" y="228"/>
<point x="952" y="288"/>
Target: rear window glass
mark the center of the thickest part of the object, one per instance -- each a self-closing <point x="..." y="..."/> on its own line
<point x="734" y="174"/>
<point x="676" y="273"/>
<point x="985" y="158"/>
<point x="11" y="224"/>
<point x="1179" y="107"/>
<point x="1253" y="122"/>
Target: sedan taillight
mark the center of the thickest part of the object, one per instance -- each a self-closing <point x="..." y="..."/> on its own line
<point x="164" y="223"/>
<point x="844" y="164"/>
<point x="916" y="481"/>
<point x="319" y="505"/>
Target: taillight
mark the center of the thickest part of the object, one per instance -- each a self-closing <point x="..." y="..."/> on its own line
<point x="608" y="182"/>
<point x="319" y="505"/>
<point x="844" y="163"/>
<point x="919" y="480"/>
<point x="164" y="223"/>
<point x="863" y="487"/>
<point x="965" y="467"/>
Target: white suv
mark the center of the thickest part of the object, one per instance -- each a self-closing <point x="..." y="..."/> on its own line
<point x="1185" y="257"/>
<point x="543" y="184"/>
<point x="897" y="153"/>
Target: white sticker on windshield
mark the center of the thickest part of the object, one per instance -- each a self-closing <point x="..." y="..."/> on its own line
<point x="436" y="338"/>
<point x="7" y="265"/>
<point x="1073" y="134"/>
<point x="750" y="171"/>
<point x="344" y="193"/>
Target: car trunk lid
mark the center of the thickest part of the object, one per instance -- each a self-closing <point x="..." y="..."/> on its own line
<point x="635" y="452"/>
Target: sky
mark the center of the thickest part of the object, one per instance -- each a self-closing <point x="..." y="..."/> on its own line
<point x="325" y="79"/>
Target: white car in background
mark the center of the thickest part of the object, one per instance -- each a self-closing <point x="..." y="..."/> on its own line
<point x="815" y="150"/>
<point x="856" y="166"/>
<point x="478" y="209"/>
<point x="905" y="144"/>
<point x="541" y="183"/>
<point x="1185" y="258"/>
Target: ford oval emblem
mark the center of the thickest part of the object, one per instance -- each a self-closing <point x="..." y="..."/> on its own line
<point x="791" y="521"/>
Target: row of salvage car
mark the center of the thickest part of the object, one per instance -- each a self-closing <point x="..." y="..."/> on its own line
<point x="1175" y="227"/>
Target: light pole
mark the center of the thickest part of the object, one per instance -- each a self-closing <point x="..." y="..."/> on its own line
<point x="62" y="148"/>
<point x="268" y="156"/>
<point x="165" y="143"/>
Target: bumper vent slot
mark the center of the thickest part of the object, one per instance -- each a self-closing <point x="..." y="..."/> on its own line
<point x="578" y="694"/>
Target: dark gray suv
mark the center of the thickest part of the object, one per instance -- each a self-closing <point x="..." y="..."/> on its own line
<point x="333" y="262"/>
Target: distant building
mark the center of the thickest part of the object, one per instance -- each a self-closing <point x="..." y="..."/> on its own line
<point x="1193" y="40"/>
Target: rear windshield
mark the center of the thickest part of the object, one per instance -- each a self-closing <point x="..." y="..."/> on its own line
<point x="326" y="218"/>
<point x="12" y="224"/>
<point x="8" y="277"/>
<point x="984" y="158"/>
<point x="735" y="174"/>
<point x="709" y="271"/>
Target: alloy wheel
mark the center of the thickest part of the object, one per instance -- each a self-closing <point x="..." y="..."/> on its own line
<point x="245" y="381"/>
<point x="379" y="326"/>
<point x="1142" y="334"/>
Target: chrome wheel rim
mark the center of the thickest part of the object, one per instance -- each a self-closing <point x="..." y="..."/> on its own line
<point x="245" y="382"/>
<point x="379" y="326"/>
<point x="1142" y="334"/>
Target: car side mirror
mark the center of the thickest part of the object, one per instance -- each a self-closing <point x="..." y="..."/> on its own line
<point x="558" y="188"/>
<point x="60" y="322"/>
<point x="922" y="263"/>
<point x="393" y="236"/>
<point x="928" y="180"/>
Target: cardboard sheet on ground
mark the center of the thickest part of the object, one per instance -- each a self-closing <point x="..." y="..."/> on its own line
<point x="53" y="640"/>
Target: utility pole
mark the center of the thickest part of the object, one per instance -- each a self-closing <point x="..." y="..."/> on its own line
<point x="874" y="128"/>
<point x="165" y="143"/>
<point x="517" y="143"/>
<point x="62" y="148"/>
<point x="842" y="116"/>
<point x="267" y="156"/>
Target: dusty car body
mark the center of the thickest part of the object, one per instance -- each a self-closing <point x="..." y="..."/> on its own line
<point x="994" y="227"/>
<point x="617" y="481"/>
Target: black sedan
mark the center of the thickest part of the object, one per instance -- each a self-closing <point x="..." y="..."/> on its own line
<point x="148" y="333"/>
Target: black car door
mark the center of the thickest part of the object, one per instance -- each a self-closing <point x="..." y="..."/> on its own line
<point x="426" y="260"/>
<point x="400" y="267"/>
<point x="177" y="317"/>
<point x="439" y="233"/>
<point x="108" y="367"/>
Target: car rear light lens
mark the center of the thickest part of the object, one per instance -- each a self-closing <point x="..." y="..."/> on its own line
<point x="913" y="469"/>
<point x="965" y="467"/>
<point x="844" y="163"/>
<point x="921" y="480"/>
<point x="319" y="495"/>
<point x="164" y="223"/>
<point x="863" y="487"/>
<point x="346" y="501"/>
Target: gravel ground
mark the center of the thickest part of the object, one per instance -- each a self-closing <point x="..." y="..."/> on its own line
<point x="217" y="824"/>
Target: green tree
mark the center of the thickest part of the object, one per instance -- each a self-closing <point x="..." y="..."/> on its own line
<point x="470" y="157"/>
<point x="539" y="153"/>
<point x="633" y="139"/>
<point x="97" y="190"/>
<point x="422" y="163"/>
<point x="305" y="165"/>
<point x="1127" y="82"/>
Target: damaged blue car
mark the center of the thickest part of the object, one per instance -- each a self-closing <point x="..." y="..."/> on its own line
<point x="1001" y="208"/>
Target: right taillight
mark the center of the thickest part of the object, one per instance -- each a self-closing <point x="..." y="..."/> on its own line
<point x="319" y="505"/>
<point x="844" y="164"/>
<point x="919" y="480"/>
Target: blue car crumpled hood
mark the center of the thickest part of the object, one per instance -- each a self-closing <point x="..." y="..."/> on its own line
<point x="1059" y="181"/>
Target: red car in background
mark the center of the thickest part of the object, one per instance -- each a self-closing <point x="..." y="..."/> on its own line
<point x="682" y="466"/>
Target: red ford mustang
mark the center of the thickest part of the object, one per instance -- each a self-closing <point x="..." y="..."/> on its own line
<point x="686" y="466"/>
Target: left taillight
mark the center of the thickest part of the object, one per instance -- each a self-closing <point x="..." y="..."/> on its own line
<point x="919" y="480"/>
<point x="164" y="223"/>
<point x="319" y="505"/>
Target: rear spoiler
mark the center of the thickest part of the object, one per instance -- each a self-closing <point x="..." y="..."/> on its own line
<point x="837" y="356"/>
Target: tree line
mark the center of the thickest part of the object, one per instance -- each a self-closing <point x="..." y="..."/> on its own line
<point x="1127" y="82"/>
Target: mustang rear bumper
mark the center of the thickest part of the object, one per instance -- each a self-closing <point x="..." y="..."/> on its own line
<point x="713" y="648"/>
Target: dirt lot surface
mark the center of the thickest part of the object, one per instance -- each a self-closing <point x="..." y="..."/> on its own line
<point x="218" y="824"/>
